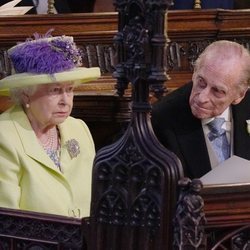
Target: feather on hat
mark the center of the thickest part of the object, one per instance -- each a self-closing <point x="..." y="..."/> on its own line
<point x="45" y="60"/>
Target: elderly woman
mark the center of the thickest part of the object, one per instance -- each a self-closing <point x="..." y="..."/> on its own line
<point x="46" y="156"/>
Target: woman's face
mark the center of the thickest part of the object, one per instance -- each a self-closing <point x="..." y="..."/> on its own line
<point x="50" y="104"/>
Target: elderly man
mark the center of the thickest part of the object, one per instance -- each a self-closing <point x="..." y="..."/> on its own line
<point x="183" y="120"/>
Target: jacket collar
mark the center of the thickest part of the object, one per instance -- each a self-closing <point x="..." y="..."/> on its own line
<point x="30" y="142"/>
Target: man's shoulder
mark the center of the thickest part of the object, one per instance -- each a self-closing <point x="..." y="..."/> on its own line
<point x="175" y="98"/>
<point x="247" y="97"/>
<point x="245" y="101"/>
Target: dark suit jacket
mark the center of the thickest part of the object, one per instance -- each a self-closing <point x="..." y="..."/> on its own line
<point x="179" y="131"/>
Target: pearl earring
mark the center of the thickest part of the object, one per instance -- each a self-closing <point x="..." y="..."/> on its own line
<point x="27" y="105"/>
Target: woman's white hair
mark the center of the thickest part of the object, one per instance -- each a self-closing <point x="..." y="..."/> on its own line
<point x="17" y="94"/>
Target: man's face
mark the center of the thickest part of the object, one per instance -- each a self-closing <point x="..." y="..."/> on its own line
<point x="215" y="87"/>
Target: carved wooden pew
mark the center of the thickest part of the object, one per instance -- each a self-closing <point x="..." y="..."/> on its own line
<point x="38" y="231"/>
<point x="224" y="222"/>
<point x="212" y="217"/>
<point x="188" y="38"/>
<point x="227" y="209"/>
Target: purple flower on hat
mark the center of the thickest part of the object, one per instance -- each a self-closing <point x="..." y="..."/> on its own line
<point x="45" y="55"/>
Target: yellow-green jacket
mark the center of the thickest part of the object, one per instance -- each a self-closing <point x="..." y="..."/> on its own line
<point x="29" y="179"/>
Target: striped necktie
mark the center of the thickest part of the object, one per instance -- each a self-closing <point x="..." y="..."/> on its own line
<point x="218" y="138"/>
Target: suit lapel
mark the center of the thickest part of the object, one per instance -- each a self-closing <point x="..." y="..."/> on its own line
<point x="241" y="113"/>
<point x="192" y="144"/>
<point x="194" y="150"/>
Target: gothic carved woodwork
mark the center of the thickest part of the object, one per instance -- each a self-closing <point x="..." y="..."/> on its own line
<point x="101" y="55"/>
<point x="180" y="56"/>
<point x="135" y="179"/>
<point x="189" y="220"/>
<point x="51" y="6"/>
<point x="36" y="231"/>
<point x="197" y="4"/>
<point x="133" y="176"/>
<point x="5" y="67"/>
<point x="212" y="217"/>
<point x="236" y="238"/>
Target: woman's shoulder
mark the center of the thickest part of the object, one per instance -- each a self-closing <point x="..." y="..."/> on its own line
<point x="76" y="128"/>
<point x="6" y="116"/>
<point x="75" y="125"/>
<point x="74" y="121"/>
<point x="7" y="125"/>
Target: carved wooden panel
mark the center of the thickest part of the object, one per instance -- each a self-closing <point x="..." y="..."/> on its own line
<point x="235" y="238"/>
<point x="213" y="217"/>
<point x="190" y="220"/>
<point x="21" y="230"/>
<point x="134" y="179"/>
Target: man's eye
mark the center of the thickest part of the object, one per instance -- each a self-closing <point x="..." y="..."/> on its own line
<point x="219" y="92"/>
<point x="201" y="82"/>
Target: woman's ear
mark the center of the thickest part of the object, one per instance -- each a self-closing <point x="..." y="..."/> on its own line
<point x="25" y="98"/>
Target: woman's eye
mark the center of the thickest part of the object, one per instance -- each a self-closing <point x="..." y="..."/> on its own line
<point x="55" y="91"/>
<point x="60" y="90"/>
<point x="70" y="89"/>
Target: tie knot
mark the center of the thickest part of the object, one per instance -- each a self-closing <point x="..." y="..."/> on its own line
<point x="215" y="127"/>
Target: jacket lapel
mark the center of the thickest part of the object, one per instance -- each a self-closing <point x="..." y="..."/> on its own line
<point x="241" y="113"/>
<point x="192" y="144"/>
<point x="194" y="150"/>
<point x="29" y="140"/>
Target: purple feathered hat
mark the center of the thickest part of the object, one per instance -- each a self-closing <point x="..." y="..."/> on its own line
<point x="46" y="59"/>
<point x="45" y="54"/>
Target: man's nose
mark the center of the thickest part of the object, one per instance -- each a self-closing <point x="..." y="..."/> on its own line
<point x="204" y="95"/>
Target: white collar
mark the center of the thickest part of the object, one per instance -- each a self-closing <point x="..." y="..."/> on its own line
<point x="225" y="115"/>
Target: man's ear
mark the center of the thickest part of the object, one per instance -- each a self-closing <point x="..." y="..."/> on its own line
<point x="239" y="99"/>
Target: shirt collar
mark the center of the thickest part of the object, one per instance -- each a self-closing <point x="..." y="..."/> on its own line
<point x="225" y="115"/>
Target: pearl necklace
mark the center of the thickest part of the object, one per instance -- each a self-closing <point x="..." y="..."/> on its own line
<point x="51" y="142"/>
<point x="52" y="147"/>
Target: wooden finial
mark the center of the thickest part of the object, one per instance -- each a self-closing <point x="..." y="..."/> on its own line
<point x="51" y="7"/>
<point x="197" y="4"/>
